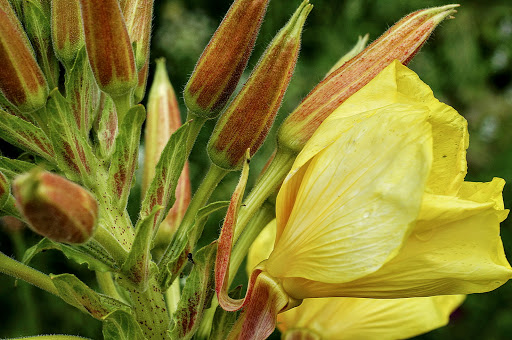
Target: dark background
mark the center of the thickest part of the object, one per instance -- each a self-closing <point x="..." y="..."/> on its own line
<point x="467" y="62"/>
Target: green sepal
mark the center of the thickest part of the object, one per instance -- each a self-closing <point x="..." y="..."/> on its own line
<point x="92" y="254"/>
<point x="224" y="321"/>
<point x="82" y="93"/>
<point x="25" y="135"/>
<point x="78" y="294"/>
<point x="124" y="159"/>
<point x="73" y="152"/>
<point x="121" y="325"/>
<point x="181" y="244"/>
<point x="196" y="295"/>
<point x="14" y="167"/>
<point x="37" y="24"/>
<point x="168" y="170"/>
<point x="137" y="265"/>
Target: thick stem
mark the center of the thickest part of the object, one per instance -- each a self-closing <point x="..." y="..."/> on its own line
<point x="111" y="244"/>
<point x="18" y="270"/>
<point x="266" y="186"/>
<point x="123" y="104"/>
<point x="107" y="285"/>
<point x="196" y="123"/>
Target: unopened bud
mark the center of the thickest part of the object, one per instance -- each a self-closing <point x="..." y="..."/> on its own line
<point x="108" y="46"/>
<point x="137" y="15"/>
<point x="402" y="41"/>
<point x="67" y="30"/>
<point x="246" y="122"/>
<point x="224" y="59"/>
<point x="21" y="80"/>
<point x="163" y="119"/>
<point x="55" y="207"/>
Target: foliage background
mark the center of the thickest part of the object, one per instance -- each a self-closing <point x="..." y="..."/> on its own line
<point x="467" y="62"/>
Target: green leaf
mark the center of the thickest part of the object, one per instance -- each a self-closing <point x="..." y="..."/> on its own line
<point x="78" y="294"/>
<point x="25" y="135"/>
<point x="105" y="128"/>
<point x="223" y="321"/>
<point x="92" y="254"/>
<point x="73" y="152"/>
<point x="196" y="294"/>
<point x="180" y="246"/>
<point x="137" y="265"/>
<point x="13" y="167"/>
<point x="167" y="172"/>
<point x="121" y="325"/>
<point x="125" y="156"/>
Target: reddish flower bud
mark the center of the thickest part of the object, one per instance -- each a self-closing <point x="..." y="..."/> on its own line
<point x="108" y="46"/>
<point x="137" y="15"/>
<point x="21" y="80"/>
<point x="224" y="59"/>
<point x="67" y="30"/>
<point x="55" y="207"/>
<point x="163" y="118"/>
<point x="402" y="42"/>
<point x="246" y="122"/>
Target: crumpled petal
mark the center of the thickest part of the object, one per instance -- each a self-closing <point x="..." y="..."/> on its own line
<point x="368" y="319"/>
<point x="357" y="199"/>
<point x="455" y="248"/>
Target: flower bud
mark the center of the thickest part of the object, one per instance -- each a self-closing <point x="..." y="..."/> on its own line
<point x="108" y="46"/>
<point x="224" y="59"/>
<point x="246" y="122"/>
<point x="67" y="30"/>
<point x="55" y="207"/>
<point x="21" y="80"/>
<point x="402" y="42"/>
<point x="137" y="15"/>
<point x="163" y="119"/>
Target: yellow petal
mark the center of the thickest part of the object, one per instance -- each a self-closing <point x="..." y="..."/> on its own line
<point x="357" y="198"/>
<point x="261" y="247"/>
<point x="439" y="258"/>
<point x="484" y="192"/>
<point x="366" y="319"/>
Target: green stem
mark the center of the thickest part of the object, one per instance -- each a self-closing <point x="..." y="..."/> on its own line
<point x="186" y="232"/>
<point x="172" y="297"/>
<point x="123" y="104"/>
<point x="265" y="186"/>
<point x="111" y="244"/>
<point x="107" y="285"/>
<point x="21" y="271"/>
<point x="150" y="311"/>
<point x="196" y="123"/>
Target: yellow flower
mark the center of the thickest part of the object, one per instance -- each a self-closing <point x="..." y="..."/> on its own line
<point x="355" y="318"/>
<point x="376" y="204"/>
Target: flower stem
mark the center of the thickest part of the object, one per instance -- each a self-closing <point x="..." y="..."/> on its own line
<point x="265" y="186"/>
<point x="107" y="285"/>
<point x="196" y="123"/>
<point x="21" y="271"/>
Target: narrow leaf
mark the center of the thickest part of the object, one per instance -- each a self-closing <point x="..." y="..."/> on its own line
<point x="73" y="152"/>
<point x="167" y="172"/>
<point x="78" y="294"/>
<point x="13" y="167"/>
<point x="125" y="155"/>
<point x="121" y="325"/>
<point x="25" y="135"/>
<point x="196" y="294"/>
<point x="137" y="265"/>
<point x="92" y="254"/>
<point x="181" y="246"/>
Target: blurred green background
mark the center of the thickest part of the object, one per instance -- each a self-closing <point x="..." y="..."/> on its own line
<point x="467" y="62"/>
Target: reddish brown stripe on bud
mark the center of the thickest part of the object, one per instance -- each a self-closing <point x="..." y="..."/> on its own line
<point x="21" y="80"/>
<point x="402" y="42"/>
<point x="67" y="30"/>
<point x="55" y="207"/>
<point x="108" y="46"/>
<point x="224" y="59"/>
<point x="246" y="122"/>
